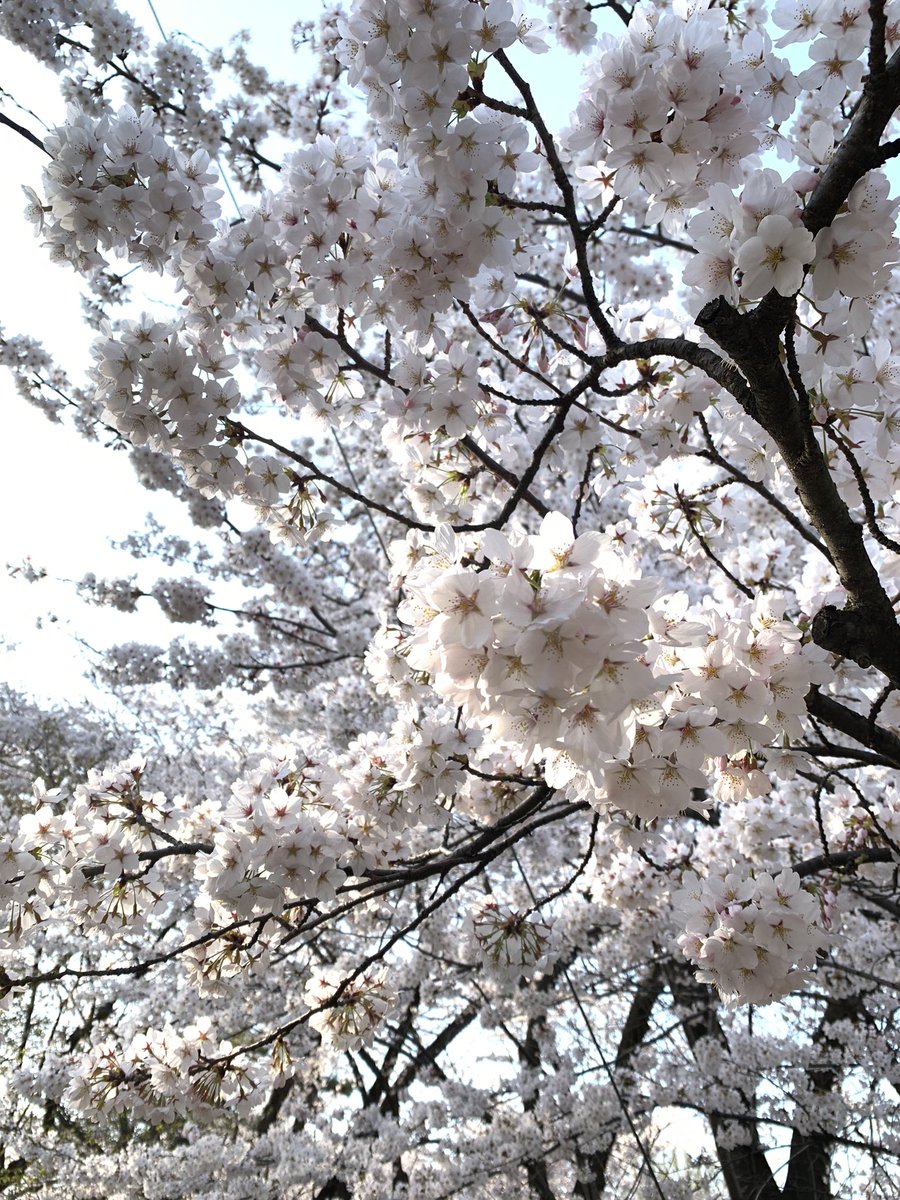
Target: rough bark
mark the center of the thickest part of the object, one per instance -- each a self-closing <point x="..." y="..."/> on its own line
<point x="637" y="1024"/>
<point x="745" y="1169"/>
<point x="866" y="631"/>
<point x="809" y="1169"/>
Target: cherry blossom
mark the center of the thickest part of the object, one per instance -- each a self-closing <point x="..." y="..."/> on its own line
<point x="527" y="717"/>
<point x="774" y="258"/>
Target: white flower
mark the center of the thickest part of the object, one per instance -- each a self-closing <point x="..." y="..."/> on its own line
<point x="847" y="258"/>
<point x="638" y="163"/>
<point x="837" y="68"/>
<point x="491" y="28"/>
<point x="350" y="1021"/>
<point x="509" y="943"/>
<point x="712" y="274"/>
<point x="751" y="935"/>
<point x="774" y="258"/>
<point x="801" y="18"/>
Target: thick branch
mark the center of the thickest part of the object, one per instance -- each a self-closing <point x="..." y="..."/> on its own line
<point x="810" y="1158"/>
<point x="859" y="149"/>
<point x="752" y="341"/>
<point x="637" y="1024"/>
<point x="564" y="183"/>
<point x="23" y="132"/>
<point x="718" y="369"/>
<point x="853" y="724"/>
<point x="844" y="860"/>
<point x="744" y="1168"/>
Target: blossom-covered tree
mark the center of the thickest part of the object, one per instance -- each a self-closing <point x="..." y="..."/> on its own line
<point x="545" y="486"/>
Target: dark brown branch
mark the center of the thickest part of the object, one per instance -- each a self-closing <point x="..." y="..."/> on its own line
<point x="752" y="341"/>
<point x="888" y="151"/>
<point x="714" y="455"/>
<point x="364" y="364"/>
<point x="426" y="911"/>
<point x="475" y="97"/>
<point x="854" y="725"/>
<point x="564" y="183"/>
<point x="23" y="132"/>
<point x="557" y="338"/>
<point x="528" y="205"/>
<point x="602" y="217"/>
<point x="809" y="1168"/>
<point x="865" y="495"/>
<point x="236" y="428"/>
<point x="624" y="14"/>
<point x="554" y="429"/>
<point x="542" y="281"/>
<point x="285" y="668"/>
<point x="852" y="756"/>
<point x="502" y="350"/>
<point x="657" y="237"/>
<point x="843" y="860"/>
<point x="718" y="369"/>
<point x="150" y="857"/>
<point x="877" y="52"/>
<point x="537" y="905"/>
<point x="745" y="1169"/>
<point x="868" y="638"/>
<point x="428" y="1055"/>
<point x="685" y="507"/>
<point x="497" y="468"/>
<point x="858" y="151"/>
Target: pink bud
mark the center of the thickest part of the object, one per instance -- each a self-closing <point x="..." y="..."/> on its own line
<point x="803" y="181"/>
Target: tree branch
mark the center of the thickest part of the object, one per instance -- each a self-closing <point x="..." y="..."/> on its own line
<point x="23" y="132"/>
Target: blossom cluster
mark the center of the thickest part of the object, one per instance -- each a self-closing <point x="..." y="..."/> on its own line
<point x="509" y="943"/>
<point x="39" y="26"/>
<point x="349" y="1012"/>
<point x="395" y="238"/>
<point x="343" y="231"/>
<point x="751" y="935"/>
<point x="434" y="43"/>
<point x="162" y="1075"/>
<point x="859" y="822"/>
<point x="275" y="847"/>
<point x="559" y="649"/>
<point x="749" y="245"/>
<point x="107" y="853"/>
<point x="117" y="183"/>
<point x="83" y="853"/>
<point x="679" y="109"/>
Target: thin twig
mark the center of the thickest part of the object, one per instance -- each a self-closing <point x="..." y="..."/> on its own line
<point x="23" y="132"/>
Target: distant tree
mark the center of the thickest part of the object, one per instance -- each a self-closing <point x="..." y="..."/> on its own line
<point x="58" y="744"/>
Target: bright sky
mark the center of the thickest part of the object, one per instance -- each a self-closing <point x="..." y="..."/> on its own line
<point x="63" y="500"/>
